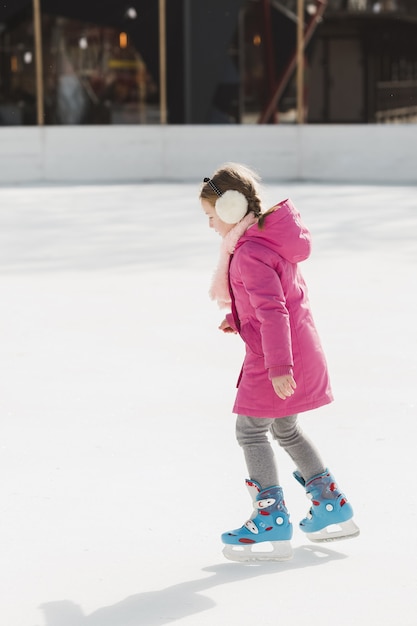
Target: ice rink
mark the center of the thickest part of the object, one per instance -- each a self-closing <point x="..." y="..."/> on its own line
<point x="119" y="468"/>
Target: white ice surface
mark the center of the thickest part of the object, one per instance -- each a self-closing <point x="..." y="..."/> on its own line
<point x="119" y="468"/>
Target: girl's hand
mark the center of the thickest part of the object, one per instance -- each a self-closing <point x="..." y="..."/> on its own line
<point x="226" y="328"/>
<point x="284" y="386"/>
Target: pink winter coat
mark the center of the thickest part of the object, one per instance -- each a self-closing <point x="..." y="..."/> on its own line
<point x="270" y="310"/>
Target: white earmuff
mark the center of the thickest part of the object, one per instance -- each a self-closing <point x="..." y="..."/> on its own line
<point x="231" y="207"/>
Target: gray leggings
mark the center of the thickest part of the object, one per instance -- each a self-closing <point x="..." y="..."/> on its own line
<point x="252" y="436"/>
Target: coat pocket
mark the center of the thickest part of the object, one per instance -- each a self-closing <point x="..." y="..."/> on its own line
<point x="252" y="338"/>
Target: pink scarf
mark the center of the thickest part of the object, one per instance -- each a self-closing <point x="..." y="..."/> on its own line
<point x="219" y="289"/>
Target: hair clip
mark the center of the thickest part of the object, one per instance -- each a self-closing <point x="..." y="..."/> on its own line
<point x="213" y="186"/>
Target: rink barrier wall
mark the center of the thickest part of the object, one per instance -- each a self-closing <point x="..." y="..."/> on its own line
<point x="328" y="153"/>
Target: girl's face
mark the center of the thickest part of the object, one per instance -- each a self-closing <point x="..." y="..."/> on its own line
<point x="214" y="220"/>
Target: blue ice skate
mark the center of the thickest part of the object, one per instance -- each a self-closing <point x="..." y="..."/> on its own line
<point x="330" y="516"/>
<point x="266" y="535"/>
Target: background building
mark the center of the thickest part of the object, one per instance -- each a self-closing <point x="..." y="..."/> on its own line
<point x="227" y="61"/>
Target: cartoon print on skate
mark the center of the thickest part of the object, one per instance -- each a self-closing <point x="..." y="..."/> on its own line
<point x="266" y="535"/>
<point x="330" y="516"/>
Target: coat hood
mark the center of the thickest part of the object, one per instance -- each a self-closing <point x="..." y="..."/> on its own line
<point x="283" y="232"/>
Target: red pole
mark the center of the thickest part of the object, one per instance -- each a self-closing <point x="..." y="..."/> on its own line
<point x="300" y="61"/>
<point x="289" y="70"/>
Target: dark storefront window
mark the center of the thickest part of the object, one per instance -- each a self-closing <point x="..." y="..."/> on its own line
<point x="263" y="46"/>
<point x="17" y="76"/>
<point x="92" y="75"/>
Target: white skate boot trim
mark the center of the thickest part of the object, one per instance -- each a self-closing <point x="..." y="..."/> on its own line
<point x="334" y="532"/>
<point x="263" y="504"/>
<point x="264" y="551"/>
<point x="252" y="527"/>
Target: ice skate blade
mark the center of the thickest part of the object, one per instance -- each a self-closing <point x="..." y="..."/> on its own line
<point x="335" y="532"/>
<point x="255" y="552"/>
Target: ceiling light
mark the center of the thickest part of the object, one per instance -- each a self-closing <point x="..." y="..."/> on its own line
<point x="131" y="13"/>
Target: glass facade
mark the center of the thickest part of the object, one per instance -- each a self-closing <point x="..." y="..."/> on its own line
<point x="92" y="75"/>
<point x="108" y="73"/>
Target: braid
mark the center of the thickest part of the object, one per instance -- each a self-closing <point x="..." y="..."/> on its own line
<point x="254" y="205"/>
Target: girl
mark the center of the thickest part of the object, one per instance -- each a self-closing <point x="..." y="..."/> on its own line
<point x="284" y="371"/>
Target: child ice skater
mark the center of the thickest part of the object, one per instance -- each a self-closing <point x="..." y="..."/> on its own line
<point x="284" y="371"/>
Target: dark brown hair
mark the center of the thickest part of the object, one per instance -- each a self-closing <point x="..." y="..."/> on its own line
<point x="239" y="178"/>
